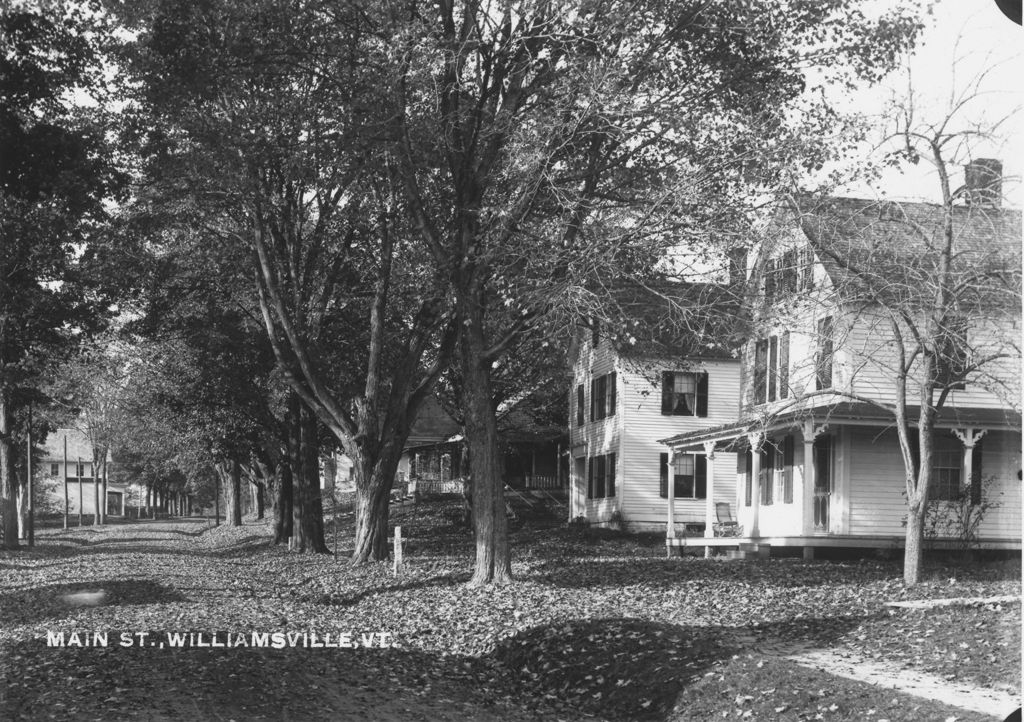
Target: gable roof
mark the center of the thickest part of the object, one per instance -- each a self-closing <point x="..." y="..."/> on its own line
<point x="660" y="318"/>
<point x="433" y="425"/>
<point x="857" y="239"/>
<point x="79" y="446"/>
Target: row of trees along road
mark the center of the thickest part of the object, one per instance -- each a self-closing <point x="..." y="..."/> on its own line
<point x="56" y="172"/>
<point x="417" y="186"/>
<point x="394" y="192"/>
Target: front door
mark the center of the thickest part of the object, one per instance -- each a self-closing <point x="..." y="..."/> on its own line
<point x="822" y="482"/>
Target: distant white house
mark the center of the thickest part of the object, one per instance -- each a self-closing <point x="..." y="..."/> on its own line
<point x="68" y="460"/>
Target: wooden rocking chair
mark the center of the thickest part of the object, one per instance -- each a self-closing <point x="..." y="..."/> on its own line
<point x="726" y="525"/>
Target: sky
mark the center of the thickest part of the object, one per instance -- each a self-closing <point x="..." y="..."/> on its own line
<point x="963" y="40"/>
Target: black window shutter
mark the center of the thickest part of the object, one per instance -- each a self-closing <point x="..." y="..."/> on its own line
<point x="976" y="474"/>
<point x="823" y="375"/>
<point x="599" y="478"/>
<point x="663" y="475"/>
<point x="593" y="399"/>
<point x="611" y="474"/>
<point x="787" y="461"/>
<point x="760" y="371"/>
<point x="667" y="383"/>
<point x="702" y="394"/>
<point x="701" y="474"/>
<point x="767" y="473"/>
<point x="773" y="367"/>
<point x="581" y="414"/>
<point x="784" y="365"/>
<point x="590" y="478"/>
<point x="769" y="280"/>
<point x="611" y="394"/>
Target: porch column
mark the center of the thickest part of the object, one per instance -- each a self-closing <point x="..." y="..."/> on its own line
<point x="807" y="492"/>
<point x="810" y="432"/>
<point x="709" y="508"/>
<point x="671" y="494"/>
<point x="969" y="437"/>
<point x="755" y="440"/>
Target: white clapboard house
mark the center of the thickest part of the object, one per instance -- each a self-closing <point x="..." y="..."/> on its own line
<point x="826" y="469"/>
<point x="626" y="394"/>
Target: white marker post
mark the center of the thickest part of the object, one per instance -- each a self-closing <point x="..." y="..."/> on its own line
<point x="398" y="551"/>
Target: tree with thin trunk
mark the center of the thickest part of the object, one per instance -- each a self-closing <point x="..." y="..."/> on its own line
<point x="942" y="298"/>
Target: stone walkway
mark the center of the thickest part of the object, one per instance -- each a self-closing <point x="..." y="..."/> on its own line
<point x="994" y="702"/>
<point x="953" y="601"/>
<point x="997" y="703"/>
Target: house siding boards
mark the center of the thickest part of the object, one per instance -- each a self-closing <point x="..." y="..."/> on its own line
<point x="644" y="424"/>
<point x="79" y="449"/>
<point x="866" y="470"/>
<point x="876" y="488"/>
<point x="632" y="433"/>
<point x="870" y="355"/>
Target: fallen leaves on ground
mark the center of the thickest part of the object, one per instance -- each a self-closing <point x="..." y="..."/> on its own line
<point x="598" y="624"/>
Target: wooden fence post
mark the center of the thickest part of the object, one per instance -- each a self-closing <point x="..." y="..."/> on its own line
<point x="398" y="551"/>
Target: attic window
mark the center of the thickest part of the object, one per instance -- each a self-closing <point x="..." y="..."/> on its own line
<point x="806" y="263"/>
<point x="791" y="272"/>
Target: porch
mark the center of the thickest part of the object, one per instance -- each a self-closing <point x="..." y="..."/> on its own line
<point x="676" y="545"/>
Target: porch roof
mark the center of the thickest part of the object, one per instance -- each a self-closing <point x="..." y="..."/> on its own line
<point x="846" y="413"/>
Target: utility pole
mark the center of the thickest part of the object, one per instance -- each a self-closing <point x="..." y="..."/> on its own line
<point x="81" y="494"/>
<point x="65" y="479"/>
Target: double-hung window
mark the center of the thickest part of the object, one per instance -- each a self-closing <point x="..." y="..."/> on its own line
<point x="684" y="393"/>
<point x="689" y="476"/>
<point x="771" y="368"/>
<point x="602" y="397"/>
<point x="948" y="480"/>
<point x="601" y="477"/>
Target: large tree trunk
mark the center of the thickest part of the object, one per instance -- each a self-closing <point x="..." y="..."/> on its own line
<point x="235" y="488"/>
<point x="493" y="563"/>
<point x="284" y="503"/>
<point x="8" y="486"/>
<point x="307" y="510"/>
<point x="261" y="504"/>
<point x="374" y="478"/>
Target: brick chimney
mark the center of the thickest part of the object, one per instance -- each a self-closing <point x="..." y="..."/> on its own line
<point x="983" y="182"/>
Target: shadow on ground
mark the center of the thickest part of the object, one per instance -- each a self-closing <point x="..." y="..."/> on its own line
<point x="37" y="603"/>
<point x="621" y="669"/>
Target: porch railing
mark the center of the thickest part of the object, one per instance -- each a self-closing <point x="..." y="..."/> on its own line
<point x="821" y="506"/>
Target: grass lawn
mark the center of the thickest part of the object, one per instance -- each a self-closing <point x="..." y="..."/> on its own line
<point x="599" y="625"/>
